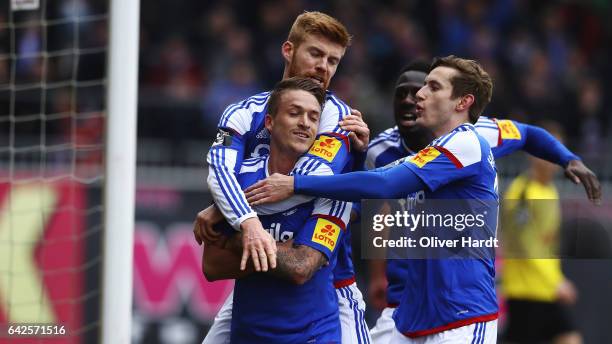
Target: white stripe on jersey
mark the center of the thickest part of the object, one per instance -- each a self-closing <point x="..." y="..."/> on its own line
<point x="311" y="166"/>
<point x="225" y="189"/>
<point x="239" y="116"/>
<point x="488" y="129"/>
<point x="464" y="146"/>
<point x="376" y="149"/>
<point x="338" y="209"/>
<point x="334" y="110"/>
<point x="489" y="134"/>
<point x="252" y="165"/>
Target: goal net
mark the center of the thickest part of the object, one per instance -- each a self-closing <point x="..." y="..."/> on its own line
<point x="53" y="99"/>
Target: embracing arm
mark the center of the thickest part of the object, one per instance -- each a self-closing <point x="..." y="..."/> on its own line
<point x="391" y="183"/>
<point x="220" y="263"/>
<point x="297" y="263"/>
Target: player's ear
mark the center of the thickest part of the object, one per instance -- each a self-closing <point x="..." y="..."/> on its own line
<point x="287" y="51"/>
<point x="465" y="102"/>
<point x="268" y="121"/>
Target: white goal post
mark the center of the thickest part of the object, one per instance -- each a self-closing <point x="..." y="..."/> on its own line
<point x="120" y="171"/>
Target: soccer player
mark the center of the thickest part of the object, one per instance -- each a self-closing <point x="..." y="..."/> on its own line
<point x="407" y="137"/>
<point x="444" y="300"/>
<point x="315" y="46"/>
<point x="296" y="302"/>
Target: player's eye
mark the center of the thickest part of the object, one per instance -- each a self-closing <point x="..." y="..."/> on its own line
<point x="315" y="53"/>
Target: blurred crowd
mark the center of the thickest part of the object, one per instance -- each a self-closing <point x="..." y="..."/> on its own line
<point x="549" y="59"/>
<point x="52" y="81"/>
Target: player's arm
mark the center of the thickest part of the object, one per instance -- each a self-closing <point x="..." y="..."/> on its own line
<point x="377" y="270"/>
<point x="510" y="136"/>
<point x="223" y="262"/>
<point x="391" y="183"/>
<point x="543" y="145"/>
<point x="297" y="263"/>
<point x="329" y="155"/>
<point x="430" y="168"/>
<point x="377" y="289"/>
<point x="223" y="158"/>
<point x="315" y="243"/>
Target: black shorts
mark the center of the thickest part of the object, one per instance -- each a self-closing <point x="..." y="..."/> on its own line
<point x="533" y="321"/>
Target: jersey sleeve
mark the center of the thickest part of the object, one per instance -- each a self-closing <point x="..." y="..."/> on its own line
<point x="503" y="136"/>
<point x="458" y="158"/>
<point x="507" y="136"/>
<point x="225" y="157"/>
<point x="334" y="111"/>
<point x="323" y="231"/>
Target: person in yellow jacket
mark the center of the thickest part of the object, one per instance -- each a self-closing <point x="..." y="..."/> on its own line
<point x="538" y="294"/>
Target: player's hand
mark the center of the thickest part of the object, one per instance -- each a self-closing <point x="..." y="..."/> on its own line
<point x="276" y="187"/>
<point x="203" y="225"/>
<point x="578" y="173"/>
<point x="257" y="244"/>
<point x="567" y="293"/>
<point x="360" y="133"/>
<point x="377" y="293"/>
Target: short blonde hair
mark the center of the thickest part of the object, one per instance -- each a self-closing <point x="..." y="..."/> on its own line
<point x="317" y="23"/>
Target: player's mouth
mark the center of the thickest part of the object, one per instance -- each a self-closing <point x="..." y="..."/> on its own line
<point x="407" y="118"/>
<point x="301" y="134"/>
<point x="419" y="110"/>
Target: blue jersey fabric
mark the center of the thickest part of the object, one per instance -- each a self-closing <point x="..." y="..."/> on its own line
<point x="444" y="293"/>
<point x="504" y="138"/>
<point x="268" y="309"/>
<point x="439" y="294"/>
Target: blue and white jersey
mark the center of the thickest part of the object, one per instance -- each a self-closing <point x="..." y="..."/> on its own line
<point x="503" y="136"/>
<point x="241" y="134"/>
<point x="441" y="294"/>
<point x="386" y="148"/>
<point x="267" y="309"/>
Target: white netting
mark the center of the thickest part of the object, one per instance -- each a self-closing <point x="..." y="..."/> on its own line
<point x="52" y="117"/>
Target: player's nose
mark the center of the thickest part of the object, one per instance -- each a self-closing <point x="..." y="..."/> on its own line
<point x="420" y="95"/>
<point x="303" y="121"/>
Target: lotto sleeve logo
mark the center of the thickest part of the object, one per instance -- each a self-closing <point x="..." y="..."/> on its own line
<point x="326" y="147"/>
<point x="326" y="233"/>
<point x="424" y="156"/>
<point x="508" y="130"/>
